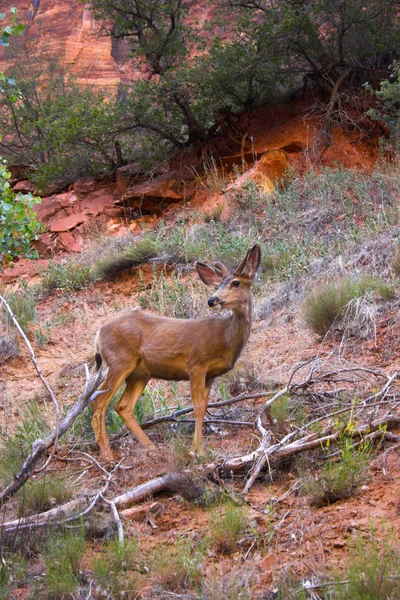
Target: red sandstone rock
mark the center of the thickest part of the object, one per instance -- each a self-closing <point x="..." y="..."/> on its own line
<point x="71" y="241"/>
<point x="66" y="200"/>
<point x="47" y="208"/>
<point x="67" y="223"/>
<point x="271" y="167"/>
<point x="153" y="196"/>
<point x="21" y="268"/>
<point x="84" y="185"/>
<point x="127" y="176"/>
<point x="98" y="204"/>
<point x="24" y="187"/>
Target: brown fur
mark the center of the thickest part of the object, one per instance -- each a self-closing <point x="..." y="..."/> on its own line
<point x="139" y="346"/>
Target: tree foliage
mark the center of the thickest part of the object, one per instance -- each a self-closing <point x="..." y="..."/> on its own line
<point x="388" y="109"/>
<point x="18" y="222"/>
<point x="194" y="81"/>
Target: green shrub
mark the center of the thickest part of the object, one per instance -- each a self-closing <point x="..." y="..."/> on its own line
<point x="68" y="277"/>
<point x="14" y="446"/>
<point x="178" y="567"/>
<point x="227" y="526"/>
<point x="23" y="306"/>
<point x="280" y="409"/>
<point x="396" y="261"/>
<point x="325" y="305"/>
<point x="116" y="569"/>
<point x="173" y="297"/>
<point x="42" y="495"/>
<point x="13" y="568"/>
<point x="338" y="478"/>
<point x="62" y="554"/>
<point x="374" y="569"/>
<point x="18" y="222"/>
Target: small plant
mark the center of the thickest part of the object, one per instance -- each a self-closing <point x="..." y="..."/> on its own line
<point x="14" y="446"/>
<point x="178" y="567"/>
<point x="324" y="306"/>
<point x="338" y="477"/>
<point x="396" y="260"/>
<point x="62" y="554"/>
<point x="13" y="567"/>
<point x="212" y="178"/>
<point x="39" y="496"/>
<point x="22" y="305"/>
<point x="280" y="409"/>
<point x="115" y="570"/>
<point x="232" y="586"/>
<point x="215" y="214"/>
<point x="68" y="277"/>
<point x="227" y="526"/>
<point x="173" y="297"/>
<point x="374" y="569"/>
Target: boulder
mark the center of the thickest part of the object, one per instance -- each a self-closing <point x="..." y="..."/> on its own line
<point x="66" y="223"/>
<point x="127" y="176"/>
<point x="274" y="165"/>
<point x="24" y="187"/>
<point x="153" y="196"/>
<point x="269" y="170"/>
<point x="71" y="241"/>
<point x="84" y="185"/>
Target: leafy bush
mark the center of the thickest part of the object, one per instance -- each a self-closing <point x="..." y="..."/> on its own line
<point x="325" y="305"/>
<point x="388" y="96"/>
<point x="18" y="222"/>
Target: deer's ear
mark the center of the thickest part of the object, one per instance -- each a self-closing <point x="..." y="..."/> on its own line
<point x="249" y="265"/>
<point x="208" y="275"/>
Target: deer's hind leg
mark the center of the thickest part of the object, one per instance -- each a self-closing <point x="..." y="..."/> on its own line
<point x="125" y="408"/>
<point x="112" y="383"/>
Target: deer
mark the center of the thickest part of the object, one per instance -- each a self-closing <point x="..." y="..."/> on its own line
<point x="140" y="345"/>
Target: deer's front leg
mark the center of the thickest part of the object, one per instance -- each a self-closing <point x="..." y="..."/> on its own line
<point x="200" y="388"/>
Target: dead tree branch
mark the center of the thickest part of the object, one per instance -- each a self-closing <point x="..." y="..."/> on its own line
<point x="40" y="374"/>
<point x="39" y="447"/>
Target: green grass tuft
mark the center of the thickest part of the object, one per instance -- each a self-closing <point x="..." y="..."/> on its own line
<point x="324" y="305"/>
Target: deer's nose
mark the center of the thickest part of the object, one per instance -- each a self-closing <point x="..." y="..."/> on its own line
<point x="212" y="300"/>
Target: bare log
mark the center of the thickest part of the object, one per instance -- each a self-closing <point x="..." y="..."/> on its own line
<point x="59" y="513"/>
<point x="39" y="447"/>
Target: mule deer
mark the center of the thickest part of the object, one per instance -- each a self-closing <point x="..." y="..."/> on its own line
<point x="139" y="346"/>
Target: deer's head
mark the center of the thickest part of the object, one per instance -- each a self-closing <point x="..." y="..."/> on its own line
<point x="233" y="289"/>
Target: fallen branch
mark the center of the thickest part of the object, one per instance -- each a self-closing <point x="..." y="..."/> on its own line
<point x="39" y="447"/>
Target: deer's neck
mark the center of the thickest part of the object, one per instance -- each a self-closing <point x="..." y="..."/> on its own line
<point x="238" y="329"/>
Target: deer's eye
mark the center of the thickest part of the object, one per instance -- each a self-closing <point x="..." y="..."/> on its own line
<point x="235" y="283"/>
